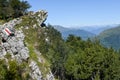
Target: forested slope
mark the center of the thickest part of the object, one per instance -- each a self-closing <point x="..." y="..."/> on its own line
<point x="111" y="38"/>
<point x="76" y="59"/>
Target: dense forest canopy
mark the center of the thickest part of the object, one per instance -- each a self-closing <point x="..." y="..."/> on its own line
<point x="13" y="8"/>
<point x="76" y="59"/>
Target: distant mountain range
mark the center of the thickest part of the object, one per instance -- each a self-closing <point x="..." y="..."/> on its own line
<point x="84" y="32"/>
<point x="108" y="35"/>
<point x="98" y="29"/>
<point x="77" y="32"/>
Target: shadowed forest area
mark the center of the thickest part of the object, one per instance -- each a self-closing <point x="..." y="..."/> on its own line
<point x="10" y="9"/>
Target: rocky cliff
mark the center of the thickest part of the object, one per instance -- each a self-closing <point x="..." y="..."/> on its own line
<point x="18" y="38"/>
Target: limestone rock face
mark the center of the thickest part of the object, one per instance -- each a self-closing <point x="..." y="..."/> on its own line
<point x="9" y="42"/>
<point x="12" y="42"/>
<point x="35" y="72"/>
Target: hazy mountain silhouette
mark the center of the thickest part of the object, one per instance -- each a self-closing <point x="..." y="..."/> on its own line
<point x="77" y="32"/>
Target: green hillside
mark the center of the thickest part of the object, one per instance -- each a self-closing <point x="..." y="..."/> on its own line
<point x="111" y="38"/>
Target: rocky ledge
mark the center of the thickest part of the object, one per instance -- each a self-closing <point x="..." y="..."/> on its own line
<point x="12" y="42"/>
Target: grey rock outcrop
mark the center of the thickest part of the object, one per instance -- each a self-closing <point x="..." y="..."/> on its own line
<point x="35" y="72"/>
<point x="8" y="43"/>
<point x="41" y="16"/>
<point x="14" y="44"/>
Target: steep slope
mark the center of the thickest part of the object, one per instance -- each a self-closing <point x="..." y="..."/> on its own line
<point x="77" y="32"/>
<point x="111" y="38"/>
<point x="19" y="41"/>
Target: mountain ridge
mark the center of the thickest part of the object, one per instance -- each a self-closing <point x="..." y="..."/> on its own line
<point x="77" y="32"/>
<point x="96" y="29"/>
<point x="110" y="37"/>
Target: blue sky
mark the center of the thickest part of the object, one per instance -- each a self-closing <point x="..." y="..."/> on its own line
<point x="79" y="12"/>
